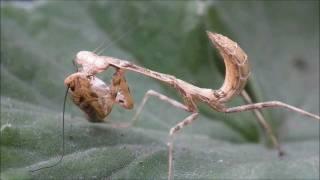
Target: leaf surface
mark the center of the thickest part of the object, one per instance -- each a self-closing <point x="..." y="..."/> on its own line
<point x="40" y="39"/>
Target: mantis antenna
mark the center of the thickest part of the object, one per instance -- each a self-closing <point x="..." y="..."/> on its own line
<point x="98" y="52"/>
<point x="100" y="46"/>
<point x="63" y="148"/>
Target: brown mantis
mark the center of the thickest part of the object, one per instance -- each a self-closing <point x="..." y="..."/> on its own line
<point x="96" y="98"/>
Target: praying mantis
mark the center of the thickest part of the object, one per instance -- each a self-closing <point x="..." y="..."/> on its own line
<point x="96" y="98"/>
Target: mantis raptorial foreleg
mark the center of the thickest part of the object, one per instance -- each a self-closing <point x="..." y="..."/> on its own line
<point x="264" y="124"/>
<point x="123" y="97"/>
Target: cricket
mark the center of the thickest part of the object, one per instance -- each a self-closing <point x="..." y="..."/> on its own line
<point x="96" y="99"/>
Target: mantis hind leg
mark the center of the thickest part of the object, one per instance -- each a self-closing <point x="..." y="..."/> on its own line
<point x="268" y="104"/>
<point x="264" y="124"/>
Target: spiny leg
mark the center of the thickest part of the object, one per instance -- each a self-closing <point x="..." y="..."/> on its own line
<point x="124" y="97"/>
<point x="188" y="120"/>
<point x="264" y="124"/>
<point x="270" y="104"/>
<point x="122" y="94"/>
<point x="161" y="97"/>
<point x="190" y="107"/>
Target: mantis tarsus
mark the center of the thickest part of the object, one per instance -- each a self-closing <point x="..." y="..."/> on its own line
<point x="96" y="98"/>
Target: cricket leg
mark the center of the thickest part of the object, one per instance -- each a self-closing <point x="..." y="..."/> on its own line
<point x="264" y="124"/>
<point x="270" y="104"/>
<point x="188" y="106"/>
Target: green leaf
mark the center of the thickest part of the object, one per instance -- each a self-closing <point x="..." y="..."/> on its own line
<point x="39" y="40"/>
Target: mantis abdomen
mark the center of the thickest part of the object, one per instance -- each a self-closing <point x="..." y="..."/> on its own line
<point x="237" y="66"/>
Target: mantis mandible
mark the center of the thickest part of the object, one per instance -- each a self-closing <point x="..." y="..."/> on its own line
<point x="96" y="98"/>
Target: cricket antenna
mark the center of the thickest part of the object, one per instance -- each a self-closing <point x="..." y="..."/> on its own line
<point x="63" y="148"/>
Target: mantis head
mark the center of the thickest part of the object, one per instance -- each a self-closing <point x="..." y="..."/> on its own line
<point x="91" y="62"/>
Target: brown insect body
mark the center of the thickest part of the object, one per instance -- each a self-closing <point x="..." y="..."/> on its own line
<point x="91" y="95"/>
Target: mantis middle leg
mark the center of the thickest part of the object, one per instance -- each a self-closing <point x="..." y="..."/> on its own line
<point x="188" y="105"/>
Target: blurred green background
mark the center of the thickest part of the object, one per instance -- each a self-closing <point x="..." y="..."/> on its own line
<point x="40" y="38"/>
